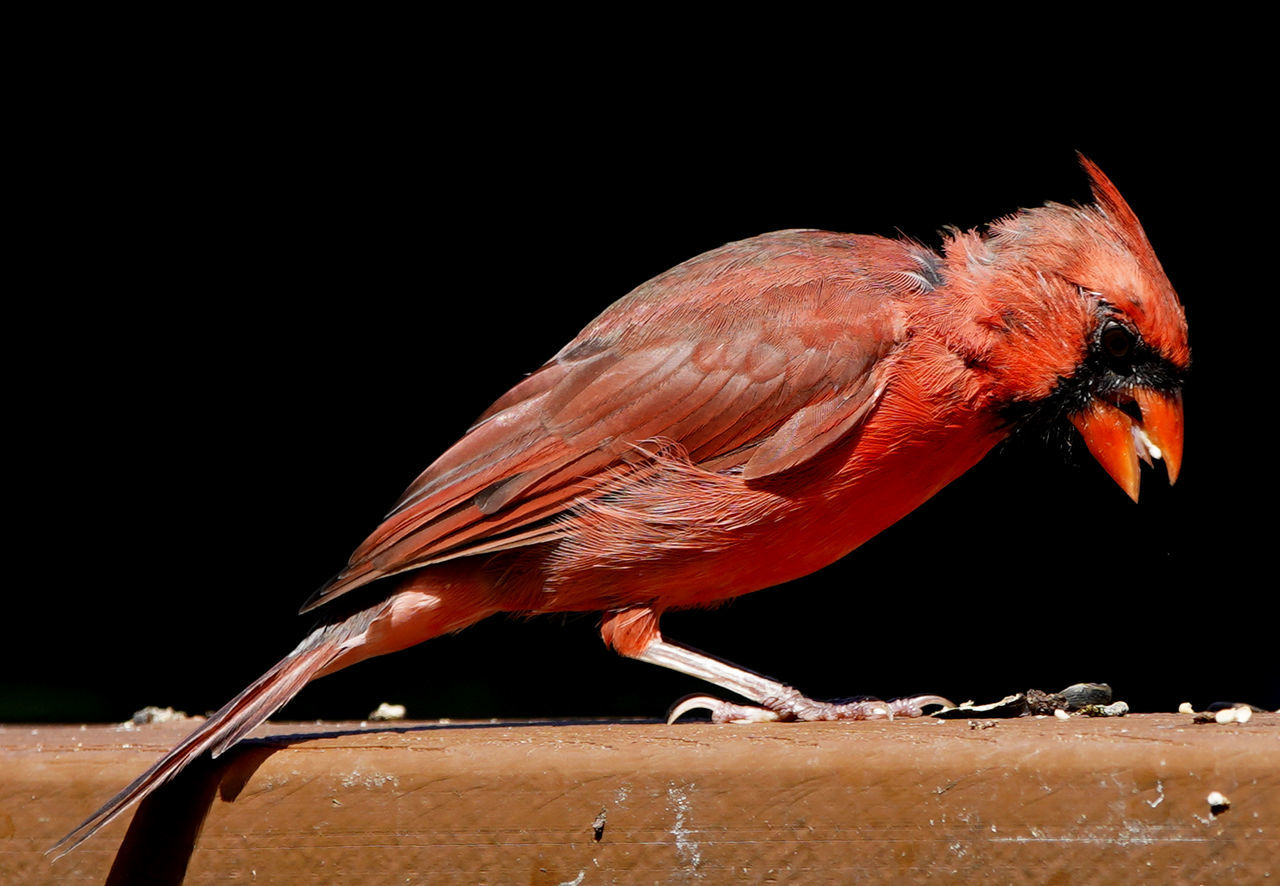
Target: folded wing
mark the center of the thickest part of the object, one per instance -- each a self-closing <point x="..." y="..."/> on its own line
<point x="746" y="379"/>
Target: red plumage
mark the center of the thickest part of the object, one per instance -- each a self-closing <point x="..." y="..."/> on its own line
<point x="747" y="418"/>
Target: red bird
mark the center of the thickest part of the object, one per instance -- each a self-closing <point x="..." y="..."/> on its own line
<point x="744" y="419"/>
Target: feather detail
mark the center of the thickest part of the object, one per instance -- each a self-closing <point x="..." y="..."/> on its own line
<point x="774" y="337"/>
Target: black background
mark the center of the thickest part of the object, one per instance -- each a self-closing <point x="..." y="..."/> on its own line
<point x="266" y="291"/>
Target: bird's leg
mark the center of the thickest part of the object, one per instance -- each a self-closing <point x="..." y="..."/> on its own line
<point x="776" y="701"/>
<point x="633" y="632"/>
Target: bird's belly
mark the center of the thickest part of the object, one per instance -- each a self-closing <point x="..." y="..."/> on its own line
<point x="675" y="545"/>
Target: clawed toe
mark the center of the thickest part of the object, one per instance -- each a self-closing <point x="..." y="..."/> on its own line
<point x="798" y="707"/>
<point x="721" y="711"/>
<point x="914" y="706"/>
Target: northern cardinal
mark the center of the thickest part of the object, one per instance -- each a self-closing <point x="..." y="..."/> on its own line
<point x="746" y="418"/>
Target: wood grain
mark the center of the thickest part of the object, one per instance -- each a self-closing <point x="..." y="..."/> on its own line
<point x="1024" y="801"/>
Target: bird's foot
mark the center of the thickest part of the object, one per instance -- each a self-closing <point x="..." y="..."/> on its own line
<point x="795" y="706"/>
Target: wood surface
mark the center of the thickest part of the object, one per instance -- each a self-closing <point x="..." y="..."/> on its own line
<point x="1122" y="800"/>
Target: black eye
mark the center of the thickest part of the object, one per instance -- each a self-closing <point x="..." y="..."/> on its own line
<point x="1117" y="341"/>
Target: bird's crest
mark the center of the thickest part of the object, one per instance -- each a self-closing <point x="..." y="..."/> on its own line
<point x="1117" y="209"/>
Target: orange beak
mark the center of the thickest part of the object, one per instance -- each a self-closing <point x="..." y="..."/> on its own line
<point x="1117" y="441"/>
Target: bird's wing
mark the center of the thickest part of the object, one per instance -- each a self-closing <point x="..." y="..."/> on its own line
<point x="752" y="358"/>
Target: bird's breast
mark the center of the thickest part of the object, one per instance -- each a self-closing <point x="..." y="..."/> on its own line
<point x="686" y="537"/>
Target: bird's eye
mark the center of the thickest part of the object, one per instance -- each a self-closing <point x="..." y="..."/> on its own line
<point x="1117" y="341"/>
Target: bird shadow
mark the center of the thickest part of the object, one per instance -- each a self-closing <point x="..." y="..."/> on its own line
<point x="162" y="836"/>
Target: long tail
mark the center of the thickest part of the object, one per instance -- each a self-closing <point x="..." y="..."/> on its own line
<point x="423" y="605"/>
<point x="260" y="700"/>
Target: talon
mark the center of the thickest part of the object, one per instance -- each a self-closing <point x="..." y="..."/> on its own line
<point x="797" y="707"/>
<point x="914" y="706"/>
<point x="690" y="703"/>
<point x="721" y="711"/>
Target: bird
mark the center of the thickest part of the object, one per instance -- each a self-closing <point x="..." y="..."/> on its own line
<point x="746" y="418"/>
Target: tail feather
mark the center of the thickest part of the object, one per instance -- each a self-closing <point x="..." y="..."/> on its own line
<point x="286" y="685"/>
<point x="424" y="605"/>
<point x="233" y="721"/>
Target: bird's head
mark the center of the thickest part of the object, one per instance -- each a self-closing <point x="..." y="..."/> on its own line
<point x="1090" y="330"/>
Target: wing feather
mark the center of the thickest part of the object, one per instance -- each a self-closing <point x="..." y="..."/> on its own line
<point x="753" y="358"/>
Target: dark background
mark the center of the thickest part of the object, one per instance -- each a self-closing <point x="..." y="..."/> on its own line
<point x="264" y="295"/>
